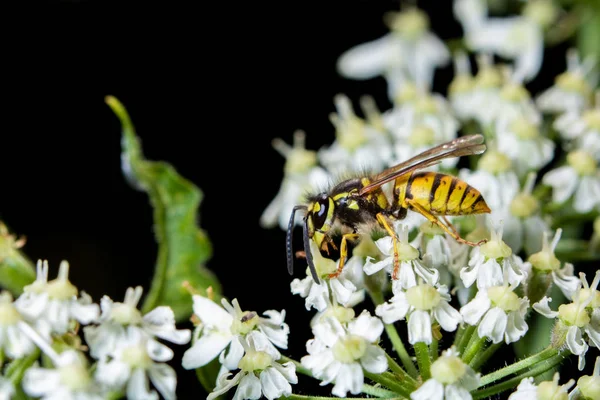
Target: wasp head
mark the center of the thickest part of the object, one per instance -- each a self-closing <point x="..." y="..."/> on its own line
<point x="317" y="223"/>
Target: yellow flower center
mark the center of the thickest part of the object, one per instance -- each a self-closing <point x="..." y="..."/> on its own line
<point x="448" y="369"/>
<point x="514" y="92"/>
<point x="524" y="205"/>
<point x="125" y="314"/>
<point x="582" y="162"/>
<point x="494" y="162"/>
<point x="570" y="82"/>
<point x="423" y="297"/>
<point x="255" y="361"/>
<point x="592" y="118"/>
<point x="349" y="349"/>
<point x="589" y="386"/>
<point x="524" y="129"/>
<point x="504" y="298"/>
<point x="574" y="314"/>
<point x="421" y="136"/>
<point x="410" y="24"/>
<point x="75" y="376"/>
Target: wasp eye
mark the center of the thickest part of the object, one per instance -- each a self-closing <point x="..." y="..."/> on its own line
<point x="320" y="214"/>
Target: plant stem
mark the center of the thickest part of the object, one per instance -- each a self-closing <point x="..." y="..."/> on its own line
<point x="482" y="357"/>
<point x="518" y="366"/>
<point x="433" y="349"/>
<point x="397" y="343"/>
<point x="397" y="369"/>
<point x="465" y="338"/>
<point x="474" y="347"/>
<point x="422" y="353"/>
<point x="378" y="392"/>
<point x="542" y="367"/>
<point x="390" y="382"/>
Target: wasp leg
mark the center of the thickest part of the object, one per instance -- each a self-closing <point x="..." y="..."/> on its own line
<point x="390" y="231"/>
<point x="449" y="224"/>
<point x="432" y="218"/>
<point x="343" y="253"/>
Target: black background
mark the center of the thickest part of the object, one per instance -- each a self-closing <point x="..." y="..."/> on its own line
<point x="208" y="87"/>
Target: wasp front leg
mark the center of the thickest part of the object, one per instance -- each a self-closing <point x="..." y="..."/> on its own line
<point x="385" y="224"/>
<point x="343" y="253"/>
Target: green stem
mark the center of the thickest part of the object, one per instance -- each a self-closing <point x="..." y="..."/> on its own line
<point x="422" y="353"/>
<point x="482" y="357"/>
<point x="389" y="381"/>
<point x="397" y="369"/>
<point x="465" y="339"/>
<point x="518" y="366"/>
<point x="473" y="348"/>
<point x="378" y="392"/>
<point x="459" y="334"/>
<point x="433" y="349"/>
<point x="542" y="367"/>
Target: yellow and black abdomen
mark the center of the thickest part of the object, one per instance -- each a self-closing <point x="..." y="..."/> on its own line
<point x="440" y="194"/>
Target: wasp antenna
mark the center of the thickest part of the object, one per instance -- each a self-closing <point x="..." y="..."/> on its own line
<point x="288" y="239"/>
<point x="309" y="258"/>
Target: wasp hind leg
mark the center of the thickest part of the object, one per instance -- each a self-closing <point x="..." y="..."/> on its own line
<point x="451" y="230"/>
<point x="343" y="253"/>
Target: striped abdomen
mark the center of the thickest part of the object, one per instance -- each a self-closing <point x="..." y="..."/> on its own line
<point x="440" y="194"/>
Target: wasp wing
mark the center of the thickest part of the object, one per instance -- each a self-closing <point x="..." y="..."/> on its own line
<point x="463" y="146"/>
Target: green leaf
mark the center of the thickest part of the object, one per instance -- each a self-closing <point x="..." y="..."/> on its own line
<point x="16" y="270"/>
<point x="183" y="247"/>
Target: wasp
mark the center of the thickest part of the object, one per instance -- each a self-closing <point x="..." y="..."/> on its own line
<point x="360" y="203"/>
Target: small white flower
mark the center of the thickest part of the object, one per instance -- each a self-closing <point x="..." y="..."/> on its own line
<point x="116" y="317"/>
<point x="422" y="306"/>
<point x="358" y="146"/>
<point x="497" y="182"/>
<point x="499" y="313"/>
<point x="409" y="50"/>
<point x="15" y="341"/>
<point x="450" y="379"/>
<point x="491" y="262"/>
<point x="54" y="305"/>
<point x="134" y="361"/>
<point x="521" y="140"/>
<point x="339" y="352"/>
<point x="545" y="262"/>
<point x="410" y="267"/>
<point x="342" y="289"/>
<point x="523" y="223"/>
<point x="579" y="180"/>
<point x="260" y="372"/>
<point x="580" y="319"/>
<point x="301" y="173"/>
<point x="461" y="88"/>
<point x="588" y="386"/>
<point x="572" y="89"/>
<point x="7" y="389"/>
<point x="69" y="380"/>
<point x="221" y="327"/>
<point x="528" y="390"/>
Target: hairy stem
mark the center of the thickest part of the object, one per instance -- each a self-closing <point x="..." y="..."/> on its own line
<point x="422" y="353"/>
<point x="518" y="366"/>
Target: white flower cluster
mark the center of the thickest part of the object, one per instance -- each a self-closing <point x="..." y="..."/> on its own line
<point x="482" y="296"/>
<point x="124" y="345"/>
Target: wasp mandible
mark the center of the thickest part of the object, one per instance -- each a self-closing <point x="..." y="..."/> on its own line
<point x="360" y="203"/>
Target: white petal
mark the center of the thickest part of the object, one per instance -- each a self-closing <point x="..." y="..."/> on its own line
<point x="138" y="388"/>
<point x="395" y="310"/>
<point x="164" y="379"/>
<point x="350" y="378"/>
<point x="493" y="325"/>
<point x="16" y="343"/>
<point x="342" y="290"/>
<point x="274" y="384"/>
<point x="211" y="314"/>
<point x="575" y="341"/>
<point x="288" y="370"/>
<point x="260" y="342"/>
<point x="205" y="349"/>
<point x="430" y="390"/>
<point x="543" y="307"/>
<point x="568" y="284"/>
<point x="474" y="310"/>
<point x="419" y="327"/>
<point x="224" y="384"/>
<point x="249" y="388"/>
<point x="374" y="359"/>
<point x="366" y="326"/>
<point x="40" y="381"/>
<point x="447" y="316"/>
<point x="455" y="392"/>
<point x="113" y="373"/>
<point x="231" y="357"/>
<point x="158" y="351"/>
<point x="587" y="195"/>
<point x="84" y="313"/>
<point x="563" y="181"/>
<point x="516" y="326"/>
<point x="370" y="267"/>
<point x="161" y="322"/>
<point x="370" y="59"/>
